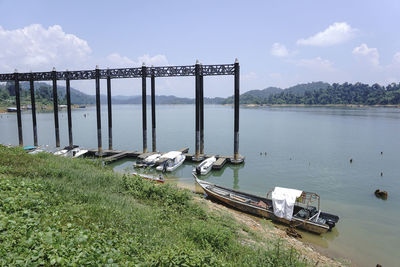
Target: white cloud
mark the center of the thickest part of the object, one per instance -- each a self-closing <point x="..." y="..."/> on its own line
<point x="279" y="50"/>
<point x="337" y="33"/>
<point x="157" y="60"/>
<point x="117" y="61"/>
<point x="370" y="55"/>
<point x="36" y="48"/>
<point x="316" y="64"/>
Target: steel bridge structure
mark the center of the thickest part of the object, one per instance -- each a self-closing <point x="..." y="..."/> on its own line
<point x="198" y="71"/>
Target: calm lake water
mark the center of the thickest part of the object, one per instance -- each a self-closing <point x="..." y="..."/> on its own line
<point x="307" y="148"/>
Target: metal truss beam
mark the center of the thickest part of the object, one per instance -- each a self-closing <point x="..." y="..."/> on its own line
<point x="167" y="71"/>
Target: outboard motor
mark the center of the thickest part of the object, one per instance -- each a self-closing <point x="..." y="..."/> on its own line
<point x="165" y="165"/>
<point x="198" y="170"/>
<point x="331" y="223"/>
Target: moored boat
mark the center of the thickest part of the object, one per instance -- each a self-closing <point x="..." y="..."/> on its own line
<point x="288" y="206"/>
<point x="149" y="161"/>
<point x="171" y="161"/>
<point x="205" y="166"/>
<point x="73" y="152"/>
<point x="158" y="179"/>
<point x="76" y="152"/>
<point x="64" y="151"/>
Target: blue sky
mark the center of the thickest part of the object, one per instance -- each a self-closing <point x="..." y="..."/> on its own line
<point x="278" y="43"/>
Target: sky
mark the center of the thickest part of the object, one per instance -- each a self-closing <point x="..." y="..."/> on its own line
<point x="278" y="43"/>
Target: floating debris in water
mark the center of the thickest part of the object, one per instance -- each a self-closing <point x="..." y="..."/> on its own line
<point x="381" y="194"/>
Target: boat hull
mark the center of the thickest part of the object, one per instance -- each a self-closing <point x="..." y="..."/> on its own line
<point x="149" y="177"/>
<point x="263" y="212"/>
<point x="172" y="168"/>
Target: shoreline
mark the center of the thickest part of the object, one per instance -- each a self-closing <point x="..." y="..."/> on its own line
<point x="49" y="108"/>
<point x="269" y="230"/>
<point x="322" y="106"/>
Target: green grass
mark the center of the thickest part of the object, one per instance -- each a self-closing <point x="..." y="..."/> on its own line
<point x="60" y="211"/>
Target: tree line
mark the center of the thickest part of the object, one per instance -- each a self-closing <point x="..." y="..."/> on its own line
<point x="346" y="93"/>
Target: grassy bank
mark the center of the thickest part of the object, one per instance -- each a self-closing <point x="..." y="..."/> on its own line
<point x="75" y="211"/>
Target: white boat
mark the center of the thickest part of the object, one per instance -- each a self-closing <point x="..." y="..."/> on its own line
<point x="171" y="161"/>
<point x="72" y="152"/>
<point x="76" y="152"/>
<point x="205" y="166"/>
<point x="44" y="149"/>
<point x="61" y="152"/>
<point x="149" y="161"/>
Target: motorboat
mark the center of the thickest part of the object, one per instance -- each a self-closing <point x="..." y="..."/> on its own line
<point x="73" y="152"/>
<point x="149" y="161"/>
<point x="171" y="161"/>
<point x="76" y="152"/>
<point x="64" y="151"/>
<point x="288" y="206"/>
<point x="158" y="179"/>
<point x="205" y="166"/>
<point x="44" y="149"/>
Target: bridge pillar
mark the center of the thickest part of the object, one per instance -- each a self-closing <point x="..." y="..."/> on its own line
<point x="110" y="139"/>
<point x="196" y="156"/>
<point x="18" y="103"/>
<point x="201" y="114"/>
<point x="144" y="121"/>
<point x="68" y="95"/>
<point x="236" y="156"/>
<point x="98" y="112"/>
<point x="55" y="107"/>
<point x="33" y="104"/>
<point x="153" y="111"/>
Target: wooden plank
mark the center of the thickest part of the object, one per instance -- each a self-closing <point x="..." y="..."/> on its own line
<point x="219" y="163"/>
<point x="116" y="157"/>
<point x="184" y="150"/>
<point x="145" y="155"/>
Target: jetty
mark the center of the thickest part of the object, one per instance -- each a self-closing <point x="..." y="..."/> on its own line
<point x="198" y="70"/>
<point x="109" y="156"/>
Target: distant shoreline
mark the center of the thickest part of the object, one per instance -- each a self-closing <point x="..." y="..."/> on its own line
<point x="49" y="108"/>
<point x="319" y="105"/>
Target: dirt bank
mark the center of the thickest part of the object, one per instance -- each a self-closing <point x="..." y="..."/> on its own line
<point x="267" y="231"/>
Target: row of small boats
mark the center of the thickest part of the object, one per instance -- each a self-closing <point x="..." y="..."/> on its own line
<point x="68" y="151"/>
<point x="170" y="161"/>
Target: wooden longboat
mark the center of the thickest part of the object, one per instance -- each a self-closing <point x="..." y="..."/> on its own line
<point x="157" y="179"/>
<point x="318" y="223"/>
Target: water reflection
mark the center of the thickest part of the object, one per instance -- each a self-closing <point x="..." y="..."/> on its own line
<point x="235" y="169"/>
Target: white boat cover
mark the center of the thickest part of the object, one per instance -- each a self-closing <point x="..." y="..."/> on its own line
<point x="171" y="155"/>
<point x="283" y="200"/>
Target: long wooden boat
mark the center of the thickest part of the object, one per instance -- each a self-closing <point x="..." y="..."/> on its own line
<point x="306" y="217"/>
<point x="158" y="179"/>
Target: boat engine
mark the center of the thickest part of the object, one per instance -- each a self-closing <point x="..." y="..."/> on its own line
<point x="198" y="170"/>
<point x="331" y="223"/>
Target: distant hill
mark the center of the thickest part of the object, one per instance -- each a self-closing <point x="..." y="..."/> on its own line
<point x="300" y="89"/>
<point x="262" y="96"/>
<point x="263" y="93"/>
<point x="314" y="93"/>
